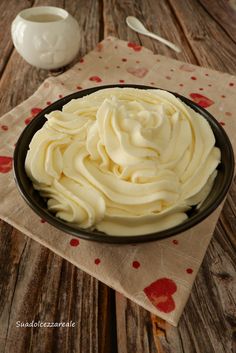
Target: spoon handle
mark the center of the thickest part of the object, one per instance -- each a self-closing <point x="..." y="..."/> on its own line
<point x="164" y="41"/>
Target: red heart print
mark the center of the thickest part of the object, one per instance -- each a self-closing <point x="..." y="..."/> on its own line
<point x="34" y="112"/>
<point x="28" y="120"/>
<point x="95" y="79"/>
<point x="140" y="72"/>
<point x="160" y="294"/>
<point x="201" y="100"/>
<point x="134" y="46"/>
<point x="187" y="68"/>
<point x="5" y="164"/>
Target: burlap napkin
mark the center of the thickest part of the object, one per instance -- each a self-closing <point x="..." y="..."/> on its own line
<point x="157" y="275"/>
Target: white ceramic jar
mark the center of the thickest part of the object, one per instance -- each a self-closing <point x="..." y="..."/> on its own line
<point x="46" y="37"/>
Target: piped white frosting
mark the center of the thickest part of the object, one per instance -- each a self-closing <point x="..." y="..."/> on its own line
<point x="124" y="161"/>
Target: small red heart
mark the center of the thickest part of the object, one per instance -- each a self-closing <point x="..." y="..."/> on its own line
<point x="134" y="46"/>
<point x="35" y="111"/>
<point x="5" y="164"/>
<point x="187" y="68"/>
<point x="140" y="72"/>
<point x="201" y="100"/>
<point x="28" y="120"/>
<point x="5" y="127"/>
<point x="160" y="294"/>
<point x="95" y="79"/>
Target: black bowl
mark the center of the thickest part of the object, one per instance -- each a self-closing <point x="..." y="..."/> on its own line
<point x="38" y="204"/>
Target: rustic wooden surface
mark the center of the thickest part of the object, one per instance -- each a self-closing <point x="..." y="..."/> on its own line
<point x="36" y="284"/>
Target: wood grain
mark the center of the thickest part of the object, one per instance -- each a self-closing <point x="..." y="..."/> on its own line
<point x="134" y="327"/>
<point x="88" y="14"/>
<point x="224" y="14"/>
<point x="211" y="44"/>
<point x="115" y="14"/>
<point x="215" y="289"/>
<point x="36" y="284"/>
<point x="19" y="78"/>
<point x="8" y="13"/>
<point x="27" y="78"/>
<point x="197" y="332"/>
<point x="209" y="319"/>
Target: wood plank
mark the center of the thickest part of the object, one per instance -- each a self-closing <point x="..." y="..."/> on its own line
<point x="19" y="79"/>
<point x="228" y="216"/>
<point x="134" y="329"/>
<point x="224" y="14"/>
<point x="10" y="254"/>
<point x="8" y="13"/>
<point x="215" y="289"/>
<point x="211" y="45"/>
<point x="167" y="337"/>
<point x="37" y="285"/>
<point x="196" y="331"/>
<point x="88" y="14"/>
<point x="26" y="79"/>
<point x="107" y="336"/>
<point x="208" y="321"/>
<point x="160" y="20"/>
<point x="232" y="4"/>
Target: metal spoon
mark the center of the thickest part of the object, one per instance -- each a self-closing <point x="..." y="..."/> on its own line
<point x="137" y="26"/>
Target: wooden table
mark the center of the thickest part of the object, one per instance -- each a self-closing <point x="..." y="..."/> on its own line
<point x="36" y="284"/>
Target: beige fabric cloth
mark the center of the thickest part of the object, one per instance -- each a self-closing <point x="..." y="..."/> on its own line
<point x="157" y="275"/>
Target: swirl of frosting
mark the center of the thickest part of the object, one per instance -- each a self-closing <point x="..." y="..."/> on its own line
<point x="123" y="161"/>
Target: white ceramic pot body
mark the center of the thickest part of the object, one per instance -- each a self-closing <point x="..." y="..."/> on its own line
<point x="46" y="37"/>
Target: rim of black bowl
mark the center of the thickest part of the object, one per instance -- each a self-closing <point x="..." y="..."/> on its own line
<point x="20" y="175"/>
